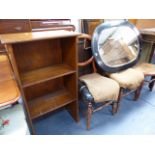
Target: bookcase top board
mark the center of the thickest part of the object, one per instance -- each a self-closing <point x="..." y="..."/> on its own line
<point x="34" y="36"/>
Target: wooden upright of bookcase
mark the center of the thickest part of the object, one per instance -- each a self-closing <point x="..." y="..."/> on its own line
<point x="45" y="66"/>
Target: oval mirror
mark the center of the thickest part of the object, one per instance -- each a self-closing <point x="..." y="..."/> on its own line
<point x="116" y="45"/>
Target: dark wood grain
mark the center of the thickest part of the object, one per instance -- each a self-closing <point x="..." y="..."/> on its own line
<point x="43" y="88"/>
<point x="37" y="54"/>
<point x="14" y="26"/>
<point x="69" y="51"/>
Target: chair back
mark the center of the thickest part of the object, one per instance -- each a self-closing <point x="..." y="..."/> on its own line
<point x="87" y="47"/>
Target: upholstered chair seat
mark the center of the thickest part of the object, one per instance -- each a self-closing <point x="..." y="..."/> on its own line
<point x="101" y="88"/>
<point x="128" y="79"/>
<point x="146" y="68"/>
<point x="149" y="70"/>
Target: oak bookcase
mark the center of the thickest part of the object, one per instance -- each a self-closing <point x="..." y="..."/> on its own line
<point x="45" y="67"/>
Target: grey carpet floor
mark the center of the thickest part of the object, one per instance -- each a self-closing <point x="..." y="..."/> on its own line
<point x="134" y="117"/>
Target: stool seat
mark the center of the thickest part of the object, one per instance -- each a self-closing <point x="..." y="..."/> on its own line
<point x="146" y="68"/>
<point x="100" y="87"/>
<point x="129" y="79"/>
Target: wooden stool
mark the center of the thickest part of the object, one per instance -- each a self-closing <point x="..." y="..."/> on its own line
<point x="149" y="70"/>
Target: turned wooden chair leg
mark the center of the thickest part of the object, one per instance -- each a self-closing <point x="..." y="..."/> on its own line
<point x="89" y="115"/>
<point x="138" y="92"/>
<point x="152" y="83"/>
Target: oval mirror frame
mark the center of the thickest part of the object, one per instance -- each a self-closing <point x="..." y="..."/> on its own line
<point x="95" y="44"/>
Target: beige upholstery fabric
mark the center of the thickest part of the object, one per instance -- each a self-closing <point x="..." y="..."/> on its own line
<point x="101" y="88"/>
<point x="146" y="68"/>
<point x="128" y="79"/>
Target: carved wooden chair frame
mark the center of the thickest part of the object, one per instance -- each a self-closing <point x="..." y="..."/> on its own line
<point x="84" y="90"/>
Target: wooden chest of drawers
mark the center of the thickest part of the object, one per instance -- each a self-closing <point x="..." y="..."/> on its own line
<point x="14" y="26"/>
<point x="51" y="24"/>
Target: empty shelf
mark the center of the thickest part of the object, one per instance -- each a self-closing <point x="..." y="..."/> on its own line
<point x="50" y="102"/>
<point x="44" y="74"/>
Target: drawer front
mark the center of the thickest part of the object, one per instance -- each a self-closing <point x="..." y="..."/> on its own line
<point x="14" y="26"/>
<point x="47" y="25"/>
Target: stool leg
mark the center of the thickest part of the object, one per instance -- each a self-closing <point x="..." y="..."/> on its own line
<point x="138" y="91"/>
<point x="89" y="115"/>
<point x="152" y="83"/>
<point x="114" y="108"/>
<point x="119" y="99"/>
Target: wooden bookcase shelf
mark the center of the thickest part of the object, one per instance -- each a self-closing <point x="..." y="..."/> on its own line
<point x="33" y="77"/>
<point x="50" y="102"/>
<point x="45" y="66"/>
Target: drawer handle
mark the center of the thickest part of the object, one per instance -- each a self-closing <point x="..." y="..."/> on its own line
<point x="18" y="28"/>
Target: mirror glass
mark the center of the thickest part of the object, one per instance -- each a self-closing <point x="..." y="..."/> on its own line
<point x="118" y="45"/>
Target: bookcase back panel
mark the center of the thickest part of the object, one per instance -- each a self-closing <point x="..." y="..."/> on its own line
<point x="43" y="88"/>
<point x="69" y="53"/>
<point x="70" y="83"/>
<point x="37" y="54"/>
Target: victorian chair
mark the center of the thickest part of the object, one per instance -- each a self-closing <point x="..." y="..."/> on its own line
<point x="96" y="91"/>
<point x="116" y="48"/>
